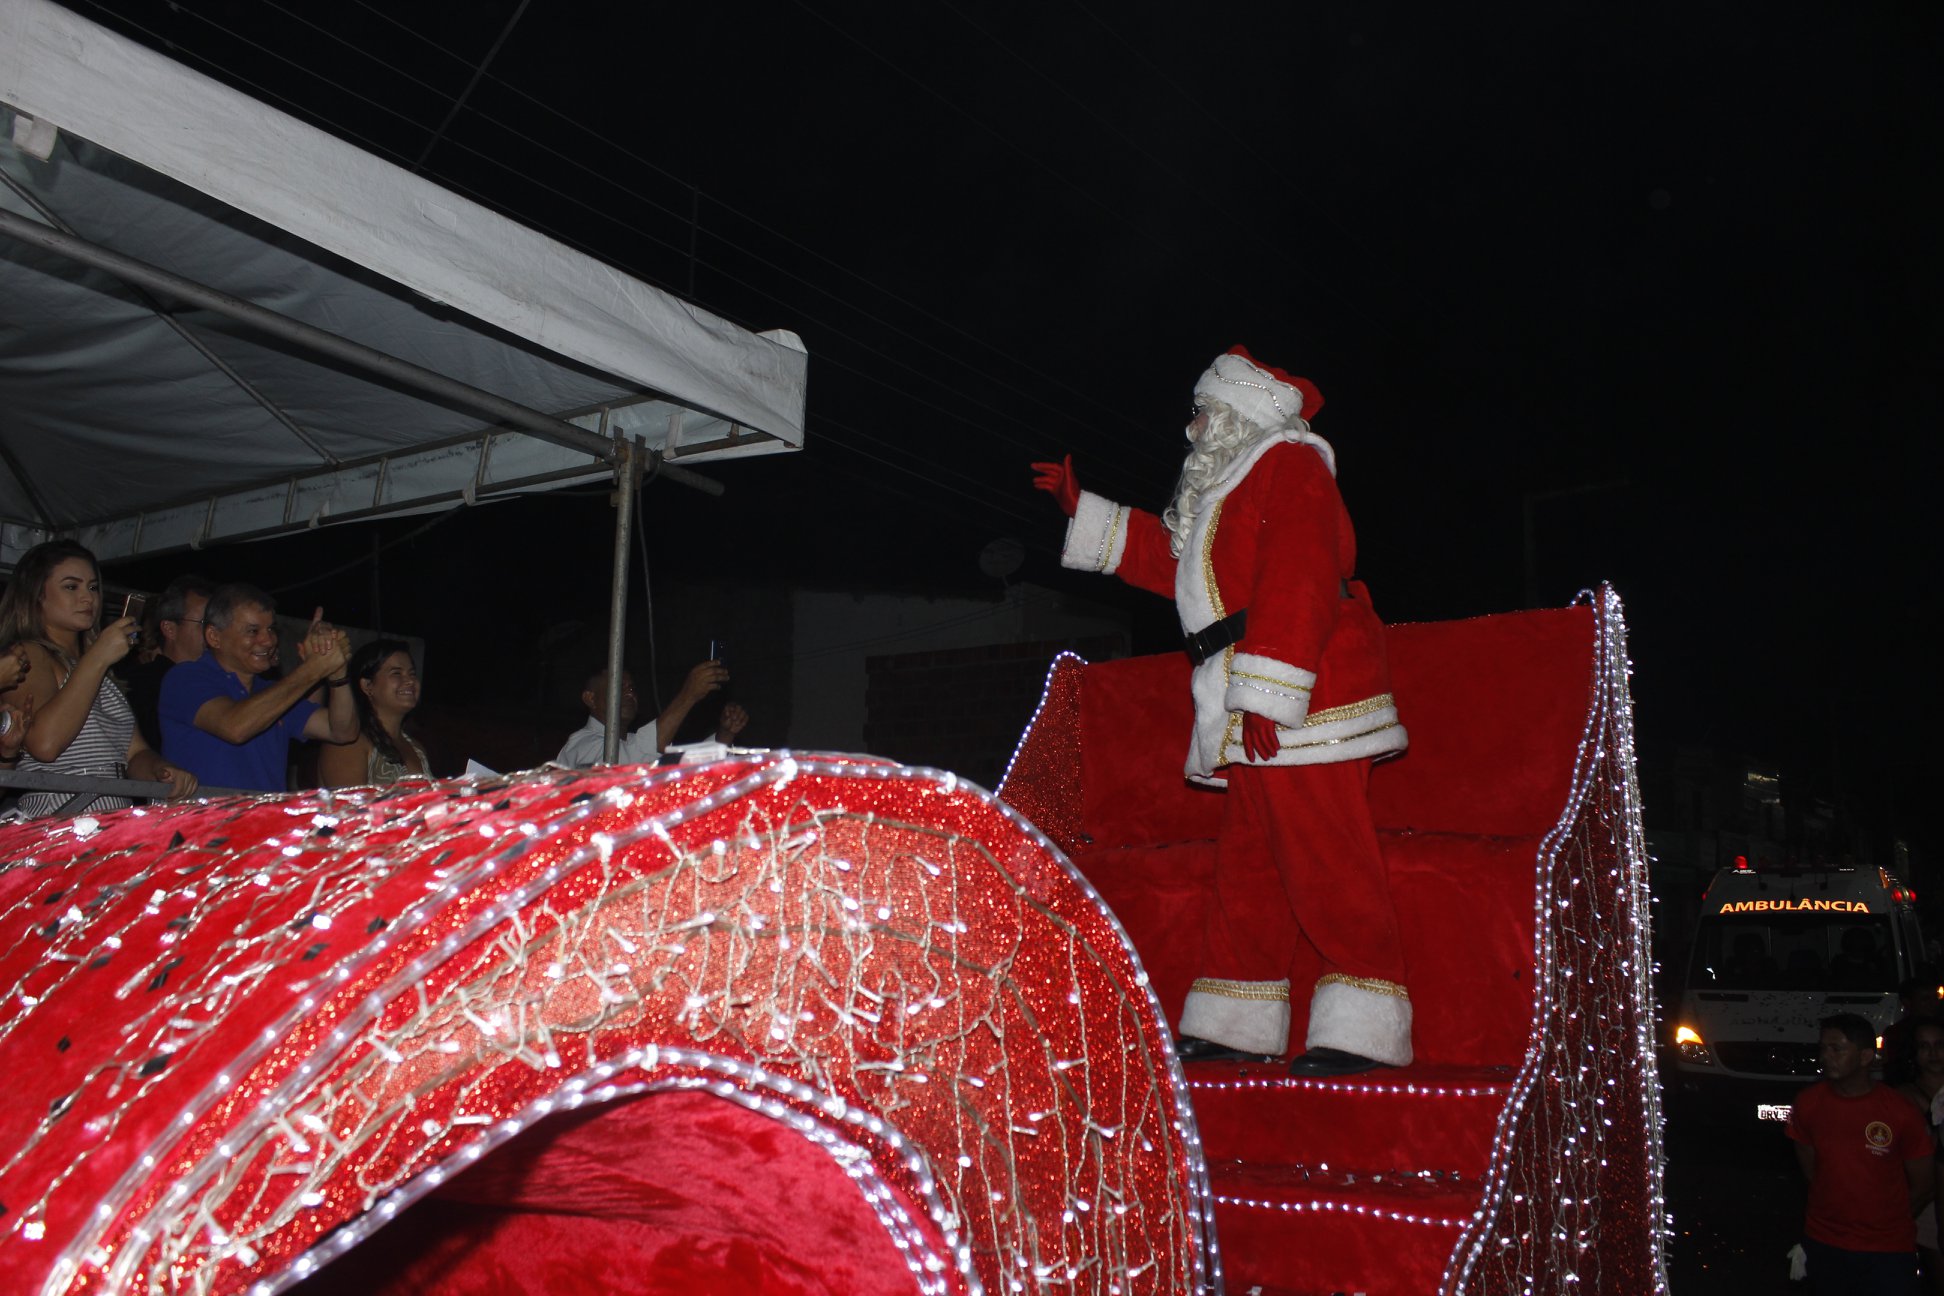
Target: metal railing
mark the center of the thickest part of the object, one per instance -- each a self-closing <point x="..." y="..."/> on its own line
<point x="87" y="788"/>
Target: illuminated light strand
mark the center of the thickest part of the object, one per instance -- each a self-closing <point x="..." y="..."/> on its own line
<point x="1317" y="1206"/>
<point x="1499" y="1090"/>
<point x="205" y="894"/>
<point x="414" y="918"/>
<point x="1555" y="1204"/>
<point x="1046" y="691"/>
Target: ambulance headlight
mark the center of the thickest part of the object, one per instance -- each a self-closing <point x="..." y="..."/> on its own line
<point x="1688" y="1043"/>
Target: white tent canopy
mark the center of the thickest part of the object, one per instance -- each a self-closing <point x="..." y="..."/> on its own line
<point x="138" y="423"/>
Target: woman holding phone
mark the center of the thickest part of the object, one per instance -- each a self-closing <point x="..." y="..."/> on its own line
<point x="81" y="722"/>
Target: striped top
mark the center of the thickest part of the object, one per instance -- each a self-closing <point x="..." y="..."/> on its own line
<point x="101" y="748"/>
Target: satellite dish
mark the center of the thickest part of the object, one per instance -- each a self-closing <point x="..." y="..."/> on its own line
<point x="1002" y="557"/>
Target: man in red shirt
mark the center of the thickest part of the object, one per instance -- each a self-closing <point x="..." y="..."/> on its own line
<point x="1867" y="1154"/>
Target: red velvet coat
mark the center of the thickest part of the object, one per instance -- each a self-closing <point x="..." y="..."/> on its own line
<point x="1273" y="537"/>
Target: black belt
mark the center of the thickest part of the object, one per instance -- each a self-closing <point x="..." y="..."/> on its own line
<point x="1209" y="640"/>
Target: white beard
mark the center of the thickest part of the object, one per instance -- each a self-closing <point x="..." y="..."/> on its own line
<point x="1227" y="438"/>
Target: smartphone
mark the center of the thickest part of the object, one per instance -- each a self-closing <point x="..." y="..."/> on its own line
<point x="715" y="650"/>
<point x="135" y="605"/>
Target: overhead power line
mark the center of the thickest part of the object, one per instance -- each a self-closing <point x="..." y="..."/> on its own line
<point x="1091" y="398"/>
<point x="607" y="214"/>
<point x="1057" y="174"/>
<point x="478" y="71"/>
<point x="1306" y="201"/>
<point x="1032" y="439"/>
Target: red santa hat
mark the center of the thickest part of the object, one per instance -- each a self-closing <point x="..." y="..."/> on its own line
<point x="1265" y="396"/>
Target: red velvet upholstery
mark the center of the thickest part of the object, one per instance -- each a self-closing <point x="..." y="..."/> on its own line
<point x="1364" y="1184"/>
<point x="1157" y="892"/>
<point x="708" y="1196"/>
<point x="1430" y="1118"/>
<point x="1134" y="724"/>
<point x="1464" y="908"/>
<point x="1266" y="1246"/>
<point x="1494" y="706"/>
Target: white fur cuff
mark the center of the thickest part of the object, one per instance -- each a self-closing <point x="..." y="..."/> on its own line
<point x="1269" y="688"/>
<point x="1361" y="1015"/>
<point x="1097" y="535"/>
<point x="1252" y="1016"/>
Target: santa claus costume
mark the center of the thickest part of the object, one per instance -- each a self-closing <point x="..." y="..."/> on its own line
<point x="1258" y="554"/>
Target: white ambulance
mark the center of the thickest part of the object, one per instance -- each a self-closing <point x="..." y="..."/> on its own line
<point x="1775" y="952"/>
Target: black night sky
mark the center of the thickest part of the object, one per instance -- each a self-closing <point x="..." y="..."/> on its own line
<point x="1663" y="278"/>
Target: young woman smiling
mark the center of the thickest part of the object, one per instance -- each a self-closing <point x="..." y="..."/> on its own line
<point x="384" y="688"/>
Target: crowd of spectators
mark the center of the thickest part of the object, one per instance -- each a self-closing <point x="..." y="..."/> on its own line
<point x="196" y="696"/>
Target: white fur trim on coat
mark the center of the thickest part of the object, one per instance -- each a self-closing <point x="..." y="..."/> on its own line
<point x="1217" y="737"/>
<point x="1371" y="1022"/>
<point x="1096" y="537"/>
<point x="1369" y="728"/>
<point x="1269" y="688"/>
<point x="1196" y="603"/>
<point x="1253" y="1016"/>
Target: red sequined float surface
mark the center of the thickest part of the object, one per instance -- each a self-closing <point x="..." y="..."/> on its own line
<point x="240" y="1036"/>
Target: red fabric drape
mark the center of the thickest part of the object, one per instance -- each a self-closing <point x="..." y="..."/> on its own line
<point x="663" y="1194"/>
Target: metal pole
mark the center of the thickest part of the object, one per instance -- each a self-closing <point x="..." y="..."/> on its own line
<point x="624" y="483"/>
<point x="310" y="337"/>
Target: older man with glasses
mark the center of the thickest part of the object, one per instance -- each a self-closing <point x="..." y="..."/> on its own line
<point x="178" y="627"/>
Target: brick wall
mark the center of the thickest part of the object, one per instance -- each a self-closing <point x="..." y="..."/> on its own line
<point x="963" y="709"/>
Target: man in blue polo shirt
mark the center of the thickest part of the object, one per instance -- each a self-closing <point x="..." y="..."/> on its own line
<point x="230" y="727"/>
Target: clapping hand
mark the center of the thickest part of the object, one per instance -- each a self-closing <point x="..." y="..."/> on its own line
<point x="325" y="642"/>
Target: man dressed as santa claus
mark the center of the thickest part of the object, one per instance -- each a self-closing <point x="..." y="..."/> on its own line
<point x="1292" y="704"/>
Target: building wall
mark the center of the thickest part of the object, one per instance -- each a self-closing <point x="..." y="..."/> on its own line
<point x="963" y="709"/>
<point x="859" y="656"/>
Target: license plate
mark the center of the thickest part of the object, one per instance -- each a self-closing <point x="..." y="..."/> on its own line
<point x="1772" y="1111"/>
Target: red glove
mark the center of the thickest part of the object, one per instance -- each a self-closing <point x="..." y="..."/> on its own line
<point x="1059" y="481"/>
<point x="1259" y="736"/>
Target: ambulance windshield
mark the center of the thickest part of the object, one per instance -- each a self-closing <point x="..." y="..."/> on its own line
<point x="1794" y="952"/>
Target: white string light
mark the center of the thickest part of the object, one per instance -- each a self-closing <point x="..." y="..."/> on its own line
<point x="1576" y="1171"/>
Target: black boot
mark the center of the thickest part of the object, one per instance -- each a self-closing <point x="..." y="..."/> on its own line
<point x="1323" y="1062"/>
<point x="1192" y="1048"/>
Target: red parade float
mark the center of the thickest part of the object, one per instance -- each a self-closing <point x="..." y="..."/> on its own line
<point x="826" y="1024"/>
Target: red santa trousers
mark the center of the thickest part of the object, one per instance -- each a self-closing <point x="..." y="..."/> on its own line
<point x="1297" y="863"/>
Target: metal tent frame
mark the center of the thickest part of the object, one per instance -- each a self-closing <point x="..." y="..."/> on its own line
<point x="218" y="323"/>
